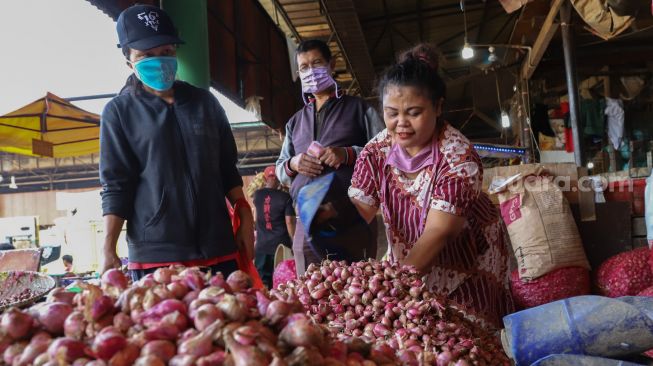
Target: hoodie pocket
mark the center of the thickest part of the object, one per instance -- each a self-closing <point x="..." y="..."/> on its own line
<point x="160" y="211"/>
<point x="172" y="221"/>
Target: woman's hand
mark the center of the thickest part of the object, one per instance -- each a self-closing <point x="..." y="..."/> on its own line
<point x="441" y="227"/>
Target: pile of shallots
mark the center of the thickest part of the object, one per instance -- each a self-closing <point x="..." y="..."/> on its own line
<point x="388" y="305"/>
<point x="176" y="316"/>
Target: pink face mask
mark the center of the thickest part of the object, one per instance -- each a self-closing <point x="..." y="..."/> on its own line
<point x="399" y="158"/>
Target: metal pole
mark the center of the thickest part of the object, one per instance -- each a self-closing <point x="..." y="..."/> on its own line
<point x="568" y="47"/>
<point x="90" y="97"/>
<point x="190" y="18"/>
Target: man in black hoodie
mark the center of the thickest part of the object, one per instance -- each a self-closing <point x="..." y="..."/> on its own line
<point x="167" y="161"/>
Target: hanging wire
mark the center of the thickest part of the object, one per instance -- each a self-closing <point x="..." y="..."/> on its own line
<point x="496" y="81"/>
<point x="462" y="8"/>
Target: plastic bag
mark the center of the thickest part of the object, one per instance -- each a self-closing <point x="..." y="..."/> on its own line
<point x="245" y="264"/>
<point x="284" y="273"/>
<point x="583" y="325"/>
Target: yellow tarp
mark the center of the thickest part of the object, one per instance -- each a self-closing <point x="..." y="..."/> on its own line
<point x="50" y="127"/>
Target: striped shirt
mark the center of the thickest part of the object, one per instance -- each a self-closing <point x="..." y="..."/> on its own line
<point x="472" y="269"/>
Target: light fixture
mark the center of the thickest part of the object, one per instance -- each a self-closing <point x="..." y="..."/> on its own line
<point x="590" y="165"/>
<point x="13" y="184"/>
<point x="468" y="52"/>
<point x="1" y="178"/>
<point x="505" y="119"/>
<point x="492" y="58"/>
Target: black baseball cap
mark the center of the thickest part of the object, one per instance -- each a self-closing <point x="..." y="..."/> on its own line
<point x="142" y="27"/>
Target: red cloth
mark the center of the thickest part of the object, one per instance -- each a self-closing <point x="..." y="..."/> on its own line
<point x="569" y="140"/>
<point x="192" y="263"/>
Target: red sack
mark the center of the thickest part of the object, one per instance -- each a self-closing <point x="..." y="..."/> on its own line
<point x="244" y="263"/>
<point x="625" y="274"/>
<point x="647" y="292"/>
<point x="556" y="285"/>
<point x="285" y="272"/>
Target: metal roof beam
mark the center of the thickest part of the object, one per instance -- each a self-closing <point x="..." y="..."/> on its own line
<point x="344" y="21"/>
<point x="542" y="41"/>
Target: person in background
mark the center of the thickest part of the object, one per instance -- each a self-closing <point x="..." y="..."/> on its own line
<point x="167" y="161"/>
<point x="275" y="224"/>
<point x="68" y="265"/>
<point x="426" y="178"/>
<point x="341" y="125"/>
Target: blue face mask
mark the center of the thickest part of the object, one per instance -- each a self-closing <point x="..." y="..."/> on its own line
<point x="157" y="72"/>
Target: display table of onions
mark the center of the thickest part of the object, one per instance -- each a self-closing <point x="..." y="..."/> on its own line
<point x="174" y="317"/>
<point x="387" y="304"/>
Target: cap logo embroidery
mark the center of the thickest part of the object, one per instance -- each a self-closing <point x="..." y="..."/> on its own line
<point x="151" y="19"/>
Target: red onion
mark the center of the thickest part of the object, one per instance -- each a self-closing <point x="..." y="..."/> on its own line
<point x="182" y="360"/>
<point x="444" y="358"/>
<point x="162" y="332"/>
<point x="190" y="296"/>
<point x="37" y="345"/>
<point x="101" y="307"/>
<point x="13" y="352"/>
<point x="122" y="322"/>
<point x="149" y="361"/>
<point x="262" y="303"/>
<point x="164" y="307"/>
<point x="302" y="333"/>
<point x="192" y="278"/>
<point x="245" y="355"/>
<point x="211" y="293"/>
<point x="75" y="325"/>
<point x="126" y="356"/>
<point x="147" y="281"/>
<point x="164" y="275"/>
<point x="206" y="315"/>
<point x="67" y="348"/>
<point x="60" y="294"/>
<point x="218" y="280"/>
<point x="164" y="350"/>
<point x="198" y="346"/>
<point x="16" y="323"/>
<point x="178" y="290"/>
<point x="108" y="343"/>
<point x="115" y="278"/>
<point x="177" y="319"/>
<point x="232" y="309"/>
<point x="52" y="316"/>
<point x="239" y="281"/>
<point x="216" y="358"/>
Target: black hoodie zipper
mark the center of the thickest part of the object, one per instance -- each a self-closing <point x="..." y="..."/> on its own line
<point x="189" y="185"/>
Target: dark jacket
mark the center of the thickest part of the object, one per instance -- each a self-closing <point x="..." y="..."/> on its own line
<point x="348" y="122"/>
<point x="166" y="169"/>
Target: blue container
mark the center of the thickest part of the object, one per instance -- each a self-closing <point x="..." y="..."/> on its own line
<point x="583" y="325"/>
<point x="578" y="360"/>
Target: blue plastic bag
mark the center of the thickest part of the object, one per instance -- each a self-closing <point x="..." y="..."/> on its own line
<point x="579" y="360"/>
<point x="582" y="325"/>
